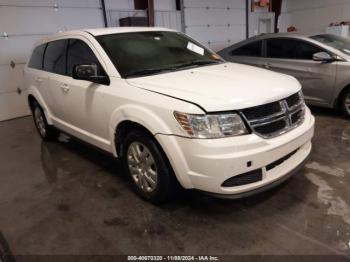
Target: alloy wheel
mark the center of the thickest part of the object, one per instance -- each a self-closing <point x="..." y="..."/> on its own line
<point x="347" y="104"/>
<point x="39" y="121"/>
<point x="142" y="167"/>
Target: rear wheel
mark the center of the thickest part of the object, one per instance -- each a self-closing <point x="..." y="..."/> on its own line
<point x="345" y="102"/>
<point x="148" y="168"/>
<point x="46" y="132"/>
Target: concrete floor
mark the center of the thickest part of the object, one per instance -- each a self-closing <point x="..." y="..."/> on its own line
<point x="66" y="198"/>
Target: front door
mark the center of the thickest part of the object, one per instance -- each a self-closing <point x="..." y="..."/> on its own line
<point x="55" y="66"/>
<point x="294" y="57"/>
<point x="83" y="103"/>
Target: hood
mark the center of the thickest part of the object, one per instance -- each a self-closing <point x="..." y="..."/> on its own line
<point x="222" y="87"/>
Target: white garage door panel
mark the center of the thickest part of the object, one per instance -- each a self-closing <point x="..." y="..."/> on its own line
<point x="80" y="18"/>
<point x="15" y="20"/>
<point x="216" y="24"/>
<point x="13" y="105"/>
<point x="10" y="78"/>
<point x="25" y="22"/>
<point x="17" y="49"/>
<point x="202" y="16"/>
<point x="76" y="3"/>
<point x="223" y="35"/>
<point x="79" y="3"/>
<point x="27" y="3"/>
<point x="217" y="3"/>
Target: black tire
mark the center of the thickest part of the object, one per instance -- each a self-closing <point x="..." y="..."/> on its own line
<point x="46" y="131"/>
<point x="345" y="103"/>
<point x="167" y="185"/>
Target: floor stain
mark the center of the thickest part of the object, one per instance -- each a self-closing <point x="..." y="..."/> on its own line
<point x="338" y="172"/>
<point x="326" y="195"/>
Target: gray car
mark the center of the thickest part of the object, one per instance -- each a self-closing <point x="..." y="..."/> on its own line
<point x="320" y="62"/>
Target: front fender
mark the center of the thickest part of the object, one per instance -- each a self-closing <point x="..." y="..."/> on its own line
<point x="159" y="128"/>
<point x="140" y="115"/>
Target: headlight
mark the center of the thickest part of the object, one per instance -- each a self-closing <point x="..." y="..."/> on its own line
<point x="211" y="126"/>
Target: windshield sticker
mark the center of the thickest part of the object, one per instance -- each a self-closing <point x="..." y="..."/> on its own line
<point x="195" y="48"/>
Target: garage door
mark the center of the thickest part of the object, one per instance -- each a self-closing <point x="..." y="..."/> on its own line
<point x="23" y="22"/>
<point x="217" y="24"/>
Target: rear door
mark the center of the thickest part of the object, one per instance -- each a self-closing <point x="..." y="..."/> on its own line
<point x="294" y="57"/>
<point x="34" y="74"/>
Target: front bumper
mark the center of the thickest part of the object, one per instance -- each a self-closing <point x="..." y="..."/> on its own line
<point x="262" y="188"/>
<point x="204" y="164"/>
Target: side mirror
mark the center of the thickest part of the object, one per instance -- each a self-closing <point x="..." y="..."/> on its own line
<point x="323" y="57"/>
<point x="89" y="73"/>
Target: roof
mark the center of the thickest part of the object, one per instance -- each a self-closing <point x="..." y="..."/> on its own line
<point x="118" y="30"/>
<point x="100" y="31"/>
<point x="295" y="35"/>
<point x="276" y="35"/>
<point x="292" y="34"/>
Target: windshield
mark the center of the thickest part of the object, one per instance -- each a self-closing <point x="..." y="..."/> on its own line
<point x="145" y="53"/>
<point x="337" y="42"/>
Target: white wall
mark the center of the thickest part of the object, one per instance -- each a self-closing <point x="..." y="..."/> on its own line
<point x="216" y="24"/>
<point x="313" y="16"/>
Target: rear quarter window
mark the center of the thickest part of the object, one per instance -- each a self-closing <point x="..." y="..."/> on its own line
<point x="36" y="60"/>
<point x="55" y="57"/>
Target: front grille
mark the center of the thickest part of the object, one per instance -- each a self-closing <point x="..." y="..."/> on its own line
<point x="266" y="129"/>
<point x="297" y="116"/>
<point x="276" y="118"/>
<point x="244" y="179"/>
<point x="262" y="111"/>
<point x="293" y="100"/>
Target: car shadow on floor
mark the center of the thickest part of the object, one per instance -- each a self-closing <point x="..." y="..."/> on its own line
<point x="76" y="157"/>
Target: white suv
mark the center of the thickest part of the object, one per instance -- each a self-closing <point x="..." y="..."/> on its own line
<point x="174" y="111"/>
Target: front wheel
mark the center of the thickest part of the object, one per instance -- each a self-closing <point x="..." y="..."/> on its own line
<point x="345" y="103"/>
<point x="148" y="168"/>
<point x="46" y="132"/>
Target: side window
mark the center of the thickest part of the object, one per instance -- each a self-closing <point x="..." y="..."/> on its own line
<point x="36" y="60"/>
<point x="252" y="49"/>
<point x="55" y="57"/>
<point x="79" y="53"/>
<point x="290" y="49"/>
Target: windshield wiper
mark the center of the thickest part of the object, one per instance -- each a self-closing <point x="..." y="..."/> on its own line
<point x="197" y="63"/>
<point x="148" y="71"/>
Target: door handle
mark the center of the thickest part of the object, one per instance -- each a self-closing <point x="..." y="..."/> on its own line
<point x="38" y="79"/>
<point x="267" y="65"/>
<point x="65" y="88"/>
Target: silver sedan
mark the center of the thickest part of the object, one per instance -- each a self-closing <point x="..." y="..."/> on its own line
<point x="320" y="62"/>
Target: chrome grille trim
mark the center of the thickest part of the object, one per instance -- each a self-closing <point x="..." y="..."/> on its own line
<point x="286" y="114"/>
